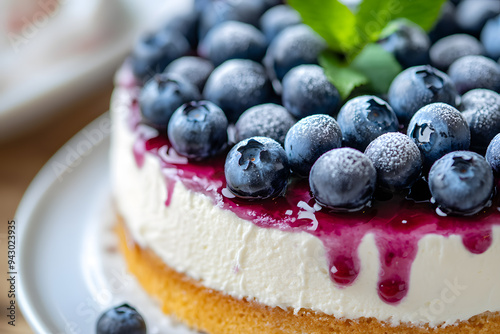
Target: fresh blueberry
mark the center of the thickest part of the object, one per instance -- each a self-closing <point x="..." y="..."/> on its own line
<point x="310" y="138"/>
<point x="418" y="86"/>
<point x="294" y="46"/>
<point x="343" y="179"/>
<point x="438" y="129"/>
<point x="155" y="51"/>
<point x="237" y="85"/>
<point x="473" y="14"/>
<point x="472" y="72"/>
<point x="493" y="154"/>
<point x="397" y="160"/>
<point x="198" y="130"/>
<point x="162" y="95"/>
<point x="121" y="319"/>
<point x="187" y="24"/>
<point x="307" y="91"/>
<point x="257" y="168"/>
<point x="232" y="40"/>
<point x="446" y="24"/>
<point x="461" y="183"/>
<point x="194" y="70"/>
<point x="200" y="5"/>
<point x="408" y="43"/>
<point x="482" y="112"/>
<point x="278" y="18"/>
<point x="490" y="37"/>
<point x="218" y="11"/>
<point x="448" y="49"/>
<point x="265" y="120"/>
<point x="364" y="118"/>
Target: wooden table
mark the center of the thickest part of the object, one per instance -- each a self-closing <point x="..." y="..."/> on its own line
<point x="22" y="158"/>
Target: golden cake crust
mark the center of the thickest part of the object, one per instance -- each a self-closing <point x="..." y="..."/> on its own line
<point x="217" y="313"/>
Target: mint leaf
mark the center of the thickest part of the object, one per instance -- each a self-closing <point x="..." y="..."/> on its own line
<point x="373" y="15"/>
<point x="332" y="20"/>
<point x="378" y="65"/>
<point x="341" y="75"/>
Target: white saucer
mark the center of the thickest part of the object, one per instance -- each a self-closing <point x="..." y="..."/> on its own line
<point x="69" y="268"/>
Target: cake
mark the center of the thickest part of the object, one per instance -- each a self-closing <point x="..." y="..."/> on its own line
<point x="223" y="263"/>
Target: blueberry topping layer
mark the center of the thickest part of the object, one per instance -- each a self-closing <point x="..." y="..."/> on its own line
<point x="308" y="139"/>
<point x="397" y="160"/>
<point x="343" y="179"/>
<point x="307" y="91"/>
<point x="461" y="182"/>
<point x="238" y="85"/>
<point x="417" y="87"/>
<point x="482" y="112"/>
<point x="438" y="129"/>
<point x="198" y="130"/>
<point x="364" y="118"/>
<point x="257" y="168"/>
<point x="162" y="95"/>
<point x="155" y="51"/>
<point x="265" y="120"/>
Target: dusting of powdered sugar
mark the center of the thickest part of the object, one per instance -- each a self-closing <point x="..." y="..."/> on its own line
<point x="265" y="120"/>
<point x="391" y="151"/>
<point x="482" y="113"/>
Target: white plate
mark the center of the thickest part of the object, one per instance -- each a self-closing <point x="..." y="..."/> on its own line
<point x="43" y="80"/>
<point x="69" y="269"/>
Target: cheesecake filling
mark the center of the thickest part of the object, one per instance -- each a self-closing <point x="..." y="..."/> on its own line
<point x="397" y="261"/>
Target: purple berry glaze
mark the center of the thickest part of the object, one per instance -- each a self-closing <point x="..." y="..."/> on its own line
<point x="398" y="224"/>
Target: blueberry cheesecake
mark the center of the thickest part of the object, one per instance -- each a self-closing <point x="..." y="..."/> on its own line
<point x="253" y="197"/>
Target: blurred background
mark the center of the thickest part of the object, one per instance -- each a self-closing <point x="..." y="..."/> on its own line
<point x="57" y="60"/>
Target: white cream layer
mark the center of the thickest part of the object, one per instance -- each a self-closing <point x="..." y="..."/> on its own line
<point x="289" y="270"/>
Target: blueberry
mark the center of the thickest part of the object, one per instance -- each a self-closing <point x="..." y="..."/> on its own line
<point x="155" y="51"/>
<point x="307" y="91"/>
<point x="397" y="160"/>
<point x="408" y="43"/>
<point x="257" y="168"/>
<point x="198" y="130"/>
<point x="473" y="14"/>
<point x="446" y="24"/>
<point x="121" y="319"/>
<point x="265" y="120"/>
<point x="232" y="40"/>
<point x="418" y="86"/>
<point x="438" y="129"/>
<point x="294" y="46"/>
<point x="194" y="70"/>
<point x="237" y="85"/>
<point x="448" y="49"/>
<point x="482" y="112"/>
<point x="310" y="138"/>
<point x="493" y="154"/>
<point x="187" y="24"/>
<point x="278" y="18"/>
<point x="490" y="37"/>
<point x="364" y="118"/>
<point x="162" y="95"/>
<point x="201" y="5"/>
<point x="461" y="183"/>
<point x="472" y="72"/>
<point x="343" y="179"/>
<point x="218" y="11"/>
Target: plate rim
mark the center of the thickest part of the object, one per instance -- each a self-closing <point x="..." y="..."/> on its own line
<point x="37" y="188"/>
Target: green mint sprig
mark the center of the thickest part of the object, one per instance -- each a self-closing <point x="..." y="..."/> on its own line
<point x="352" y="60"/>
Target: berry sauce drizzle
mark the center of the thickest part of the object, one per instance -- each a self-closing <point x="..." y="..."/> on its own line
<point x="397" y="223"/>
